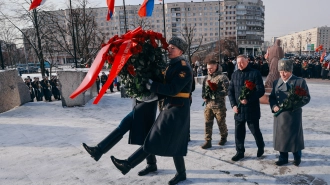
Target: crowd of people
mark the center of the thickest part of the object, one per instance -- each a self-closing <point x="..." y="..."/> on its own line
<point x="44" y="89"/>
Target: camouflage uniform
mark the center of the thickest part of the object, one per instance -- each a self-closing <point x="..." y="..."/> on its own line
<point x="216" y="106"/>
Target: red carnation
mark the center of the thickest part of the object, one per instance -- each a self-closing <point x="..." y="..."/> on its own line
<point x="159" y="36"/>
<point x="250" y="85"/>
<point x="102" y="45"/>
<point x="114" y="50"/>
<point x="131" y="70"/>
<point x="213" y="86"/>
<point x="300" y="91"/>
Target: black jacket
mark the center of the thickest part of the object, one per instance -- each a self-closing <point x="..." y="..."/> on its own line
<point x="250" y="111"/>
<point x="169" y="134"/>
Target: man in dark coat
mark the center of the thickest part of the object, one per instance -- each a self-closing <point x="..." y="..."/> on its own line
<point x="37" y="89"/>
<point x="138" y="122"/>
<point x="169" y="134"/>
<point x="288" y="131"/>
<point x="46" y="88"/>
<point x="246" y="110"/>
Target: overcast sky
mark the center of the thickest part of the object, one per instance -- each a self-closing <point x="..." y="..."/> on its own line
<point x="282" y="16"/>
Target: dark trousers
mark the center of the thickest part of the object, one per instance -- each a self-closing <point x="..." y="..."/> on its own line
<point x="125" y="124"/>
<point x="284" y="156"/>
<point x="240" y="132"/>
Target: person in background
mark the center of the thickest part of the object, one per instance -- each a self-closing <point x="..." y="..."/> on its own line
<point x="273" y="55"/>
<point x="288" y="130"/>
<point x="249" y="109"/>
<point x="215" y="102"/>
<point x="98" y="81"/>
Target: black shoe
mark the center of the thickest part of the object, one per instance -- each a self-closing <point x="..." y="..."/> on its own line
<point x="93" y="151"/>
<point x="207" y="144"/>
<point x="223" y="141"/>
<point x="121" y="165"/>
<point x="177" y="178"/>
<point x="148" y="169"/>
<point x="296" y="162"/>
<point x="281" y="162"/>
<point x="238" y="156"/>
<point x="260" y="152"/>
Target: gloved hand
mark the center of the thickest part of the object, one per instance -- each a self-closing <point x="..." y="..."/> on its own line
<point x="150" y="98"/>
<point x="148" y="85"/>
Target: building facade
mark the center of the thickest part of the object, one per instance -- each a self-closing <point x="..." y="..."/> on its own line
<point x="209" y="21"/>
<point x="305" y="42"/>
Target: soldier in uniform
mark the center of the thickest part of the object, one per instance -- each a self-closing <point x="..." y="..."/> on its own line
<point x="138" y="122"/>
<point x="288" y="130"/>
<point x="29" y="85"/>
<point x="169" y="134"/>
<point x="55" y="84"/>
<point x="46" y="88"/>
<point x="37" y="89"/>
<point x="215" y="102"/>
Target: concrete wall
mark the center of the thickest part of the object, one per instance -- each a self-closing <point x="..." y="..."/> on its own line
<point x="69" y="82"/>
<point x="13" y="91"/>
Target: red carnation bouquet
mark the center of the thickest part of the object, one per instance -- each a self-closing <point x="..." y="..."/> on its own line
<point x="247" y="89"/>
<point x="295" y="97"/>
<point x="210" y="89"/>
<point x="325" y="65"/>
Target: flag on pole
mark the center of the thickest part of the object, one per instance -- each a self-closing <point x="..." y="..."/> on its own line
<point x="36" y="3"/>
<point x="111" y="7"/>
<point x="323" y="55"/>
<point x="146" y="8"/>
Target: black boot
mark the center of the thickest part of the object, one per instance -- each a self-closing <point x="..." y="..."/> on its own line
<point x="181" y="171"/>
<point x="151" y="167"/>
<point x="126" y="165"/>
<point x="105" y="145"/>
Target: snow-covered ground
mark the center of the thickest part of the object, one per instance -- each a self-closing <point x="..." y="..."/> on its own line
<point x="40" y="143"/>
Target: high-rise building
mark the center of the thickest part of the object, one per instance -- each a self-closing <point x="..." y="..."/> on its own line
<point x="239" y="20"/>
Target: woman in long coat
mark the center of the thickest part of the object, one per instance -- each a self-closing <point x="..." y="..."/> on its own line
<point x="288" y="130"/>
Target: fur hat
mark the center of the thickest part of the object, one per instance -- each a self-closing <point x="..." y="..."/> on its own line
<point x="178" y="42"/>
<point x="285" y="65"/>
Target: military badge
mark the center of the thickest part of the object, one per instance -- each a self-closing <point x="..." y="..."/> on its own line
<point x="182" y="74"/>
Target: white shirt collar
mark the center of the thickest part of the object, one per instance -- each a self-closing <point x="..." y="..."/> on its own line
<point x="287" y="79"/>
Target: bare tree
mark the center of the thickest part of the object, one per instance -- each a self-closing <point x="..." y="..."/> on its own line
<point x="143" y="22"/>
<point x="188" y="35"/>
<point x="228" y="48"/>
<point x="88" y="36"/>
<point x="18" y="14"/>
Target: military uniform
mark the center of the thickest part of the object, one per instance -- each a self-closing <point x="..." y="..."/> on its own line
<point x="216" y="106"/>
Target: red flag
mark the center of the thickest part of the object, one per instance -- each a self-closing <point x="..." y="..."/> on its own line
<point x="111" y="7"/>
<point x="36" y="3"/>
<point x="322" y="56"/>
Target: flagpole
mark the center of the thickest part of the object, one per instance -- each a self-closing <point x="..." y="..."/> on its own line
<point x="125" y="16"/>
<point x="73" y="37"/>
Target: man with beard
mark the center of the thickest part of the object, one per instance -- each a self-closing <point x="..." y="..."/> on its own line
<point x="214" y="91"/>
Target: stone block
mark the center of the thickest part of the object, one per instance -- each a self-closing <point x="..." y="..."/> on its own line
<point x="13" y="91"/>
<point x="69" y="82"/>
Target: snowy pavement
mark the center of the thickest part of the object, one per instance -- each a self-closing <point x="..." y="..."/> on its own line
<point x="40" y="143"/>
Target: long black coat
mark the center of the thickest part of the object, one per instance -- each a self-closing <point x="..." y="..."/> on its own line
<point x="250" y="111"/>
<point x="288" y="131"/>
<point x="144" y="115"/>
<point x="169" y="134"/>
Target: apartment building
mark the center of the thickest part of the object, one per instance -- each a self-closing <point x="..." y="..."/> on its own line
<point x="238" y="20"/>
<point x="305" y="42"/>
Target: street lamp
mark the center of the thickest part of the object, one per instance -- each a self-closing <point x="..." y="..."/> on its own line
<point x="219" y="12"/>
<point x="73" y="37"/>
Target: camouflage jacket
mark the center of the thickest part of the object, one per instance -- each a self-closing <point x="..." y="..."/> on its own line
<point x="215" y="99"/>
